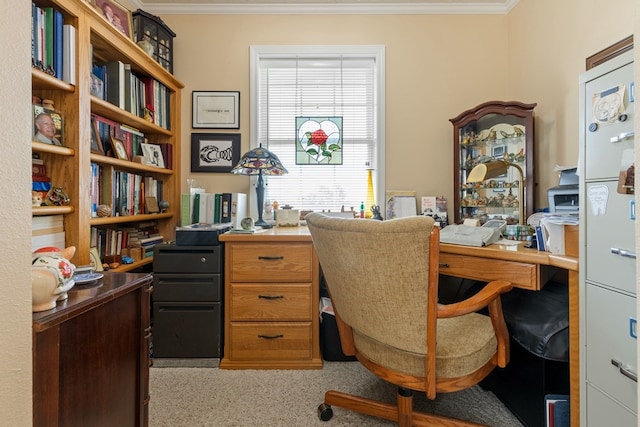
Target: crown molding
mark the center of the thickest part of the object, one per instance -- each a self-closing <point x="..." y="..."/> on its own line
<point x="327" y="8"/>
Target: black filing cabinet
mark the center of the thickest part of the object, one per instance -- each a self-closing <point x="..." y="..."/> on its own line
<point x="187" y="301"/>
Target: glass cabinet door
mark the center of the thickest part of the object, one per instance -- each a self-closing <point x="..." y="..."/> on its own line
<point x="494" y="130"/>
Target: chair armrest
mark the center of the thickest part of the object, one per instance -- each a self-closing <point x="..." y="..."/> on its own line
<point x="476" y="302"/>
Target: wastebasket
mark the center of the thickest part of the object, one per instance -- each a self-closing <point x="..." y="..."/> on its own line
<point x="330" y="345"/>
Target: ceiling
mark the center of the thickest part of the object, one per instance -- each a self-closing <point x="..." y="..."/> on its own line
<point x="325" y="6"/>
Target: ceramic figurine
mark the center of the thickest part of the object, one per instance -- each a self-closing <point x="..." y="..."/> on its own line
<point x="51" y="276"/>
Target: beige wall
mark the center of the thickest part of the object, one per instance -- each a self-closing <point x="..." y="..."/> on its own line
<point x="436" y="67"/>
<point x="15" y="214"/>
<point x="432" y="74"/>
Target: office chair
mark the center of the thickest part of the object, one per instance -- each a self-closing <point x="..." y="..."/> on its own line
<point x="382" y="278"/>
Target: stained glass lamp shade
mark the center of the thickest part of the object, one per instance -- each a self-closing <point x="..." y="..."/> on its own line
<point x="259" y="161"/>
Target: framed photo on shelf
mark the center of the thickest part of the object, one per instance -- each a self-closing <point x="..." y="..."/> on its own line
<point x="115" y="14"/>
<point x="151" y="205"/>
<point x="214" y="152"/>
<point x="119" y="149"/>
<point x="400" y="204"/>
<point x="215" y="110"/>
<point x="152" y="155"/>
<point x="48" y="126"/>
<point x="96" y="144"/>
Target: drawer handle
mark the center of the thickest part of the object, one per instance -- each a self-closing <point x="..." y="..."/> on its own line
<point x="271" y="297"/>
<point x="623" y="253"/>
<point x="270" y="337"/>
<point x="270" y="258"/>
<point x="622" y="136"/>
<point x="444" y="265"/>
<point x="625" y="371"/>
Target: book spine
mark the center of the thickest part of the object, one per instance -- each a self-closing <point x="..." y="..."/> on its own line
<point x="48" y="37"/>
<point x="185" y="209"/>
<point x="69" y="54"/>
<point x="58" y="24"/>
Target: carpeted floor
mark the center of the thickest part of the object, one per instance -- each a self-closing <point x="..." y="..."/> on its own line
<point x="207" y="396"/>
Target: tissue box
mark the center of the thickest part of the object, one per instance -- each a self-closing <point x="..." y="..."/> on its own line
<point x="287" y="217"/>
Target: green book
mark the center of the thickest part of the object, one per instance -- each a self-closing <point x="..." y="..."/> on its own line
<point x="185" y="209"/>
<point x="196" y="209"/>
<point x="217" y="208"/>
<point x="48" y="37"/>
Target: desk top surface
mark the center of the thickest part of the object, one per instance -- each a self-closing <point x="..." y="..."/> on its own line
<point x="515" y="253"/>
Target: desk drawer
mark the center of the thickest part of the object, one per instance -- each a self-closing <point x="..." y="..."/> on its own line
<point x="271" y="262"/>
<point x="522" y="275"/>
<point x="270" y="341"/>
<point x="271" y="302"/>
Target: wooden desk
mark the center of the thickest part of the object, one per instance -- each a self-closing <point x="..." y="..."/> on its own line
<point x="525" y="268"/>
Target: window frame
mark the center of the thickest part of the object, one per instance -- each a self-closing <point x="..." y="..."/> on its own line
<point x="259" y="52"/>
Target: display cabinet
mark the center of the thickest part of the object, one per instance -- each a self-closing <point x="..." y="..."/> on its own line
<point x="494" y="130"/>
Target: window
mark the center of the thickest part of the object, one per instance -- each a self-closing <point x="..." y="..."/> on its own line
<point x="320" y="81"/>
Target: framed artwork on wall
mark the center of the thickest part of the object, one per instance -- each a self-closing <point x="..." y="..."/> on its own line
<point x="215" y="110"/>
<point x="214" y="152"/>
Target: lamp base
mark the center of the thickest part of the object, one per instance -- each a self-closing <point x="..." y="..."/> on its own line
<point x="262" y="223"/>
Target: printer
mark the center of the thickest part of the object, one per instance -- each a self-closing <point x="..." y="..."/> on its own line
<point x="564" y="197"/>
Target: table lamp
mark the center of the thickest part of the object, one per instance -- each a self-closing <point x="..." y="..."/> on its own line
<point x="494" y="168"/>
<point x="259" y="161"/>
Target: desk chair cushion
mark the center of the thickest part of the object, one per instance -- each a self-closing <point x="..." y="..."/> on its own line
<point x="457" y="355"/>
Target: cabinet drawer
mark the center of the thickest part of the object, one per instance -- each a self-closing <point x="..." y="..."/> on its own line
<point x="608" y="328"/>
<point x="604" y="411"/>
<point x="522" y="275"/>
<point x="187" y="287"/>
<point x="612" y="229"/>
<point x="605" y="145"/>
<point x="270" y="262"/>
<point x="271" y="302"/>
<point x="187" y="259"/>
<point x="270" y="341"/>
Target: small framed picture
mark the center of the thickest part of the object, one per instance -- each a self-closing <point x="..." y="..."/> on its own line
<point x="214" y="152"/>
<point x="116" y="15"/>
<point x="152" y="155"/>
<point x="215" y="110"/>
<point x="119" y="149"/>
<point x="47" y="126"/>
<point x="96" y="144"/>
<point x="151" y="205"/>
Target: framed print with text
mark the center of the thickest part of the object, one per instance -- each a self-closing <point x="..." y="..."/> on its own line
<point x="215" y="110"/>
<point x="214" y="152"/>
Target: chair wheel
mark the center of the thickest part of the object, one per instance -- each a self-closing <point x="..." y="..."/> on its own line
<point x="325" y="412"/>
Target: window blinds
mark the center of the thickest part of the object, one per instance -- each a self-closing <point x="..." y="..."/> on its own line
<point x="322" y="86"/>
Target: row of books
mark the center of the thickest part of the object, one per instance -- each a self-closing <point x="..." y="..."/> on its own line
<point x="213" y="208"/>
<point x="115" y="241"/>
<point x="142" y="96"/>
<point x="131" y="137"/>
<point x="128" y="191"/>
<point x="47" y="230"/>
<point x="53" y="43"/>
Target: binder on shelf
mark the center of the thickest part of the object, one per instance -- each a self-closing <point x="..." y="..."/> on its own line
<point x="58" y="22"/>
<point x="69" y="54"/>
<point x="225" y="207"/>
<point x="115" y="83"/>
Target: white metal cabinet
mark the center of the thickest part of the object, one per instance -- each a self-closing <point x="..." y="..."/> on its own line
<point x="608" y="367"/>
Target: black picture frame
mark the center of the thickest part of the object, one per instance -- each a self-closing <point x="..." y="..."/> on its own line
<point x="214" y="152"/>
<point x="215" y="109"/>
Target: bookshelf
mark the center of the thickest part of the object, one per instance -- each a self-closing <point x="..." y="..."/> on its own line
<point x="69" y="167"/>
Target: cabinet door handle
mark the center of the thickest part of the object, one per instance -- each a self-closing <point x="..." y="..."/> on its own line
<point x="443" y="265"/>
<point x="625" y="371"/>
<point x="622" y="136"/>
<point x="270" y="258"/>
<point x="271" y="297"/>
<point x="270" y="337"/>
<point x="623" y="252"/>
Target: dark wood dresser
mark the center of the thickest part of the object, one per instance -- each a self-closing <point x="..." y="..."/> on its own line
<point x="91" y="355"/>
